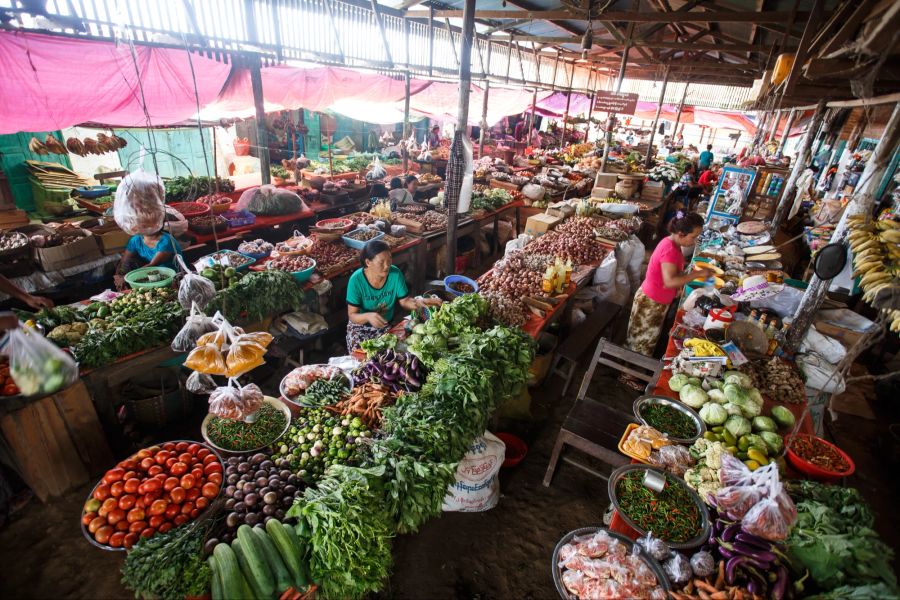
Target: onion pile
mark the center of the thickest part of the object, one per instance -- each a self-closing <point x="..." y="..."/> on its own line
<point x="513" y="284"/>
<point x="511" y="312"/>
<point x="517" y="261"/>
<point x="329" y="255"/>
<point x="567" y="246"/>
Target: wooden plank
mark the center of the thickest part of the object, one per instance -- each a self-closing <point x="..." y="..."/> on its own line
<point x="22" y="432"/>
<point x="64" y="453"/>
<point x="808" y="33"/>
<point x="74" y="403"/>
<point x="624" y="16"/>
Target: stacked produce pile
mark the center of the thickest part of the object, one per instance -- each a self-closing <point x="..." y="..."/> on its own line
<point x="256" y="296"/>
<point x="571" y="240"/>
<point x="514" y="277"/>
<point x="430" y="220"/>
<point x="491" y="199"/>
<point x="876" y="260"/>
<point x="189" y="189"/>
<point x="332" y="256"/>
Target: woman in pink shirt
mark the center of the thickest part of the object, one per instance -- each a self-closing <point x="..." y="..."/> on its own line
<point x="665" y="276"/>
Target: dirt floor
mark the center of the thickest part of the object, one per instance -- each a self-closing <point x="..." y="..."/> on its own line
<point x="503" y="553"/>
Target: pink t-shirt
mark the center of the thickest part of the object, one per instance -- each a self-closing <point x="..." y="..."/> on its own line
<point x="666" y="251"/>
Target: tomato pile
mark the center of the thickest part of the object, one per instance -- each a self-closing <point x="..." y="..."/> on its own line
<point x="8" y="387"/>
<point x="158" y="488"/>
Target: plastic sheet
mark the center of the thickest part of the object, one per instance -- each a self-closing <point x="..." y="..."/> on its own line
<point x="139" y="207"/>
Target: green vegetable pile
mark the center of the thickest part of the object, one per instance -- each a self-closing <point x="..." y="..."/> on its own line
<point x="325" y="392"/>
<point x="441" y="333"/>
<point x="318" y="439"/>
<point x="170" y="565"/>
<point x="491" y="199"/>
<point x="833" y="538"/>
<point x="257" y="296"/>
<point x="233" y="434"/>
<point x="373" y="346"/>
<point x="188" y="189"/>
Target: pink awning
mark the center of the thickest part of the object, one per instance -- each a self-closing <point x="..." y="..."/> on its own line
<point x="724" y="120"/>
<point x="51" y="82"/>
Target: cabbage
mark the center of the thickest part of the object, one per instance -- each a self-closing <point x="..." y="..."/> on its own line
<point x="732" y="408"/>
<point x="763" y="424"/>
<point x="783" y="416"/>
<point x="742" y="379"/>
<point x="713" y="414"/>
<point x="694" y="381"/>
<point x="735" y="393"/>
<point x="755" y="441"/>
<point x="678" y="381"/>
<point x="692" y="395"/>
<point x="717" y="395"/>
<point x="773" y="441"/>
<point x="716" y="383"/>
<point x="755" y="395"/>
<point x="737" y="425"/>
<point x="750" y="408"/>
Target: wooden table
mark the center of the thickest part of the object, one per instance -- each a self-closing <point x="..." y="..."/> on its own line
<point x="514" y="207"/>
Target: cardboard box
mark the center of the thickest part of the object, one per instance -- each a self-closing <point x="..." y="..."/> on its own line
<point x="537" y="225"/>
<point x="110" y="238"/>
<point x="843" y="325"/>
<point x="561" y="209"/>
<point x="606" y="180"/>
<point x="61" y="257"/>
<point x="602" y="192"/>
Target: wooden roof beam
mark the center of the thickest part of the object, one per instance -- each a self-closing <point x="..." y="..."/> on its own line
<point x="623" y="16"/>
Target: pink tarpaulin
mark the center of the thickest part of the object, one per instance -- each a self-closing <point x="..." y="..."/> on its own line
<point x="50" y="82"/>
<point x="440" y="101"/>
<point x="554" y="104"/>
<point x="647" y="111"/>
<point x="724" y="120"/>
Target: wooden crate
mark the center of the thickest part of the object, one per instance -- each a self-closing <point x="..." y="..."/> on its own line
<point x="56" y="441"/>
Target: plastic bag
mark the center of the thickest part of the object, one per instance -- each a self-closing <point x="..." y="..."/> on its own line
<point x="735" y="498"/>
<point x="196" y="325"/>
<point x="139" y="207"/>
<point x="270" y="200"/>
<point x="233" y="402"/>
<point x="36" y="365"/>
<point x="194" y="289"/>
<point x="655" y="547"/>
<point x="772" y="517"/>
<point x="200" y="383"/>
<point x="703" y="564"/>
<point x="206" y="359"/>
<point x="678" y="569"/>
<point x="244" y="355"/>
<point x="376" y="171"/>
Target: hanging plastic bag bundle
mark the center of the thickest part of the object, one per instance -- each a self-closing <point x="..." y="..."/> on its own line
<point x="376" y="171"/>
<point x="773" y="516"/>
<point x="233" y="402"/>
<point x="200" y="383"/>
<point x="139" y="207"/>
<point x="207" y="356"/>
<point x="246" y="352"/>
<point x="194" y="289"/>
<point x="195" y="326"/>
<point x="37" y="365"/>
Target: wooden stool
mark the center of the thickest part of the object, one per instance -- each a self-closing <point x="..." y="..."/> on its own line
<point x="578" y="341"/>
<point x="593" y="427"/>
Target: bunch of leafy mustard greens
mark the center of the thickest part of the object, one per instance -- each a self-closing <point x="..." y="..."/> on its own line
<point x="153" y="326"/>
<point x="257" y="296"/>
<point x="388" y="341"/>
<point x="170" y="565"/>
<point x="833" y="538"/>
<point x="442" y="332"/>
<point x="349" y="531"/>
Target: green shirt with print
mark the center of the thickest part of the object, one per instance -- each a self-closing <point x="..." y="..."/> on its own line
<point x="367" y="298"/>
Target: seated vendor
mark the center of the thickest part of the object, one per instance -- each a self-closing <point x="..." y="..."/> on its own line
<point x="399" y="195"/>
<point x="155" y="250"/>
<point x="412" y="186"/>
<point x="373" y="292"/>
<point x="709" y="178"/>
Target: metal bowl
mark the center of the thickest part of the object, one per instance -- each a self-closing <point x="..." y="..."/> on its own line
<point x="213" y="505"/>
<point x="297" y="400"/>
<point x="686" y="410"/>
<point x="268" y="400"/>
<point x="695" y="541"/>
<point x="556" y="571"/>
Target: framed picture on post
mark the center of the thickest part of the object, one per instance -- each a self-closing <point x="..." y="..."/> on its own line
<point x="731" y="194"/>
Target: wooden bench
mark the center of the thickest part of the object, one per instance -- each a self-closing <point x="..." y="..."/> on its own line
<point x="579" y="340"/>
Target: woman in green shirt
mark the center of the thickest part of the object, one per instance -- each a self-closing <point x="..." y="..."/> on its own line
<point x="372" y="293"/>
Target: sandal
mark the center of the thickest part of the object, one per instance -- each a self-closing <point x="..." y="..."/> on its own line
<point x="633" y="383"/>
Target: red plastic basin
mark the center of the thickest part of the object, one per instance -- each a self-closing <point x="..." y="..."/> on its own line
<point x="516" y="449"/>
<point x="815" y="472"/>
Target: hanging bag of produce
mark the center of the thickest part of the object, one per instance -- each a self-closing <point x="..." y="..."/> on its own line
<point x="37" y="366"/>
<point x="200" y="383"/>
<point x="772" y="517"/>
<point x="195" y="289"/>
<point x="207" y="356"/>
<point x="233" y="402"/>
<point x="376" y="171"/>
<point x="244" y="356"/>
<point x="139" y="207"/>
<point x="195" y="326"/>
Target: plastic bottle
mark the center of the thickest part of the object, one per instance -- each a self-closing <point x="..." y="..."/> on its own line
<point x="547" y="284"/>
<point x="560" y="273"/>
<point x="568" y="271"/>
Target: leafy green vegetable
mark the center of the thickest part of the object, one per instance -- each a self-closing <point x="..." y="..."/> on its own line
<point x="678" y="381"/>
<point x="257" y="296"/>
<point x="737" y="425"/>
<point x="692" y="395"/>
<point x="170" y="565"/>
<point x="153" y="326"/>
<point x="388" y="341"/>
<point x="443" y="331"/>
<point x="187" y="189"/>
<point x="834" y="539"/>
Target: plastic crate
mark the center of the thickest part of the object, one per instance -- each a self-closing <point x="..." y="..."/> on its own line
<point x="51" y="200"/>
<point x="239" y="218"/>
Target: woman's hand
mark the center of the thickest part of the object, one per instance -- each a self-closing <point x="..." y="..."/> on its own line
<point x="119" y="280"/>
<point x="37" y="302"/>
<point x="702" y="273"/>
<point x="432" y="301"/>
<point x="376" y="320"/>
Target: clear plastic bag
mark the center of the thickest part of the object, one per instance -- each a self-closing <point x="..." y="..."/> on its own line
<point x="772" y="517"/>
<point x="195" y="289"/>
<point x="233" y="402"/>
<point x="376" y="171"/>
<point x="703" y="564"/>
<point x="244" y="355"/>
<point x="139" y="207"/>
<point x="200" y="383"/>
<point x="655" y="547"/>
<point x="678" y="569"/>
<point x="194" y="327"/>
<point x="37" y="365"/>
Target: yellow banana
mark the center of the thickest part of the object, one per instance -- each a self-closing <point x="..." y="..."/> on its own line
<point x="870" y="243"/>
<point x="874" y="277"/>
<point x="887" y="225"/>
<point x="891" y="236"/>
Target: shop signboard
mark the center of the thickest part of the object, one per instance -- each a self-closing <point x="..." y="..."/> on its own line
<point x="611" y="102"/>
<point x="732" y="193"/>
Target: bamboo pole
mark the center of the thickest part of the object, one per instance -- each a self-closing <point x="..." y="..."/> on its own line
<point x="863" y="202"/>
<point x="662" y="97"/>
<point x="562" y="141"/>
<point x="787" y="130"/>
<point x="680" y="109"/>
<point x="404" y="151"/>
<point x="484" y="106"/>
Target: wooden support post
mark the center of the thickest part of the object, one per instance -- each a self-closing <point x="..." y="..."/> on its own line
<point x="509" y="51"/>
<point x="384" y="40"/>
<point x="619" y="79"/>
<point x="462" y="120"/>
<point x="562" y="141"/>
<point x="404" y="152"/>
<point x="483" y="123"/>
<point x="799" y="164"/>
<point x="680" y="109"/>
<point x="662" y="97"/>
<point x="863" y="202"/>
<point x="787" y="131"/>
<point x="555" y="71"/>
<point x="262" y="138"/>
<point x="532" y="119"/>
<point x="334" y="30"/>
<point x="774" y="131"/>
<point x="450" y="36"/>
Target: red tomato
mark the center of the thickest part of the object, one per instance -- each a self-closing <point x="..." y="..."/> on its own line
<point x="148" y="532"/>
<point x="171" y="461"/>
<point x="155" y="470"/>
<point x="197" y="474"/>
<point x="169" y="446"/>
<point x="129" y="475"/>
<point x="137" y="526"/>
<point x="86" y="518"/>
<point x="128" y="464"/>
<point x="210" y="458"/>
<point x="117" y="489"/>
<point x="152" y="450"/>
<point x="186" y="457"/>
<point x="142" y="454"/>
<point x="103" y="534"/>
<point x="158" y="507"/>
<point x="108" y="505"/>
<point x="188" y="481"/>
<point x="127" y="501"/>
<point x="203" y="453"/>
<point x="170" y="484"/>
<point x="102" y="492"/>
<point x="117" y="539"/>
<point x="181" y="446"/>
<point x="215" y="478"/>
<point x="213" y="467"/>
<point x="195" y="513"/>
<point x="201" y="502"/>
<point x="150" y="497"/>
<point x="114" y="475"/>
<point x="122" y="525"/>
<point x="131" y="485"/>
<point x="187" y="507"/>
<point x="181" y="519"/>
<point x="177" y="495"/>
<point x="192" y="494"/>
<point x="161" y="477"/>
<point x="96" y="524"/>
<point x="156" y="521"/>
<point x="172" y="511"/>
<point x="135" y="515"/>
<point x="178" y="469"/>
<point x="146" y="463"/>
<point x="130" y="540"/>
<point x="165" y="527"/>
<point x="140" y="502"/>
<point x="152" y="485"/>
<point x="210" y="490"/>
<point x="115" y="515"/>
<point x="193" y="448"/>
<point x="162" y="457"/>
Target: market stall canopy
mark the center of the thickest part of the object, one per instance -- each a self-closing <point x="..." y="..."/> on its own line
<point x="51" y="82"/>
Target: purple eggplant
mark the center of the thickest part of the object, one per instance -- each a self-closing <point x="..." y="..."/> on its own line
<point x="729" y="533"/>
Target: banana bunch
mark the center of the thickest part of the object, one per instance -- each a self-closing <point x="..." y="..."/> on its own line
<point x="701" y="347"/>
<point x="894" y="316"/>
<point x="876" y="258"/>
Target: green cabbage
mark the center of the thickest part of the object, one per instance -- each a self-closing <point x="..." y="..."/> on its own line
<point x="713" y="414"/>
<point x="774" y="442"/>
<point x="742" y="379"/>
<point x="737" y="425"/>
<point x="735" y="393"/>
<point x="783" y="416"/>
<point x="755" y="395"/>
<point x="750" y="409"/>
<point x="692" y="395"/>
<point x="763" y="424"/>
<point x="678" y="381"/>
<point x="717" y="395"/>
<point x="694" y="381"/>
<point x="732" y="409"/>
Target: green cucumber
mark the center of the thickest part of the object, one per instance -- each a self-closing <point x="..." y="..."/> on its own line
<point x="256" y="560"/>
<point x="303" y="580"/>
<point x="215" y="580"/>
<point x="245" y="568"/>
<point x="282" y="577"/>
<point x="229" y="572"/>
<point x="289" y="552"/>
